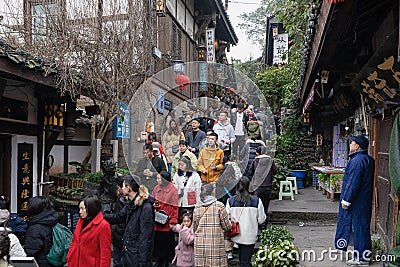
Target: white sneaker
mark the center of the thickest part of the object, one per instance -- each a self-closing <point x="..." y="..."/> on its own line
<point x="229" y="255"/>
<point x="235" y="245"/>
<point x="355" y="262"/>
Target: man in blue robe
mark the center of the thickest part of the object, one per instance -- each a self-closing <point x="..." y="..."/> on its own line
<point x="355" y="206"/>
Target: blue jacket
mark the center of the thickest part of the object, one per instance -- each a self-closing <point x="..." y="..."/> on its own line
<point x="357" y="189"/>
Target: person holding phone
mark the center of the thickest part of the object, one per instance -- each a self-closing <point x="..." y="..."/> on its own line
<point x="210" y="162"/>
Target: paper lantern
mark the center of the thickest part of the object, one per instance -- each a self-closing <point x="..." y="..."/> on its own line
<point x="231" y="90"/>
<point x="182" y="81"/>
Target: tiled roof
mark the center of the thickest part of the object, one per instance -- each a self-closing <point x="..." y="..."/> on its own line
<point x="25" y="59"/>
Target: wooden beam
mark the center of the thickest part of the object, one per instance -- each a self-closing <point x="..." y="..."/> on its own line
<point x="12" y="127"/>
<point x="16" y="71"/>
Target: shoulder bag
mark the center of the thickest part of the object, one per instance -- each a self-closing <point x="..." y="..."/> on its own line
<point x="161" y="217"/>
<point x="235" y="230"/>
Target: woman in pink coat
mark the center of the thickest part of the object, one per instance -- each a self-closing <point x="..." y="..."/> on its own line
<point x="184" y="251"/>
<point x="91" y="243"/>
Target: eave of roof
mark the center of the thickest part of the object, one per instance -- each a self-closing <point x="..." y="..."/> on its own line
<point x="227" y="22"/>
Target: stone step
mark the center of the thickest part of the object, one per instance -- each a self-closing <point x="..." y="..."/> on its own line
<point x="310" y="218"/>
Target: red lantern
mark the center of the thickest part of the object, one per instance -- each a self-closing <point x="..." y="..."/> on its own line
<point x="231" y="90"/>
<point x="182" y="81"/>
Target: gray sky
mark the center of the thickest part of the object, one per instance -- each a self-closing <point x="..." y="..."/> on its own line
<point x="244" y="49"/>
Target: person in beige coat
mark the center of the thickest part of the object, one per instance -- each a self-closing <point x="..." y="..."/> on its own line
<point x="210" y="222"/>
<point x="170" y="142"/>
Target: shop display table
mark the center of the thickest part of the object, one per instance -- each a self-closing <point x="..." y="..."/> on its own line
<point x="332" y="182"/>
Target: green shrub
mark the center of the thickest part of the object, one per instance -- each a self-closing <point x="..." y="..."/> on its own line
<point x="276" y="248"/>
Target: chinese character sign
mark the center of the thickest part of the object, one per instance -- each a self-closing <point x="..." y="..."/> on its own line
<point x="203" y="76"/>
<point x="210" y="38"/>
<point x="281" y="47"/>
<point x="123" y="121"/>
<point x="24" y="177"/>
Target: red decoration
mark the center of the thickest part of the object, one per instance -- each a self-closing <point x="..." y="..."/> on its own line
<point x="231" y="90"/>
<point x="334" y="1"/>
<point x="182" y="80"/>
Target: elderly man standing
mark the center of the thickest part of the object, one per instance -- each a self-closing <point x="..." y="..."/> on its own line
<point x="355" y="206"/>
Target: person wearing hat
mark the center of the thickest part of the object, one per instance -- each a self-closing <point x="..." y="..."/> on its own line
<point x="16" y="249"/>
<point x="166" y="197"/>
<point x="355" y="208"/>
<point x="157" y="152"/>
<point x="194" y="137"/>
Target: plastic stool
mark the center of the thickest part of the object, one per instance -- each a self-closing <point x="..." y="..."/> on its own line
<point x="283" y="186"/>
<point x="294" y="183"/>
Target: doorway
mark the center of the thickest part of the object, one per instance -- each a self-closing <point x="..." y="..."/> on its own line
<point x="5" y="165"/>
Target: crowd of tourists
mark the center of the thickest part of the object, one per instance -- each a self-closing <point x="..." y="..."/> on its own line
<point x="188" y="190"/>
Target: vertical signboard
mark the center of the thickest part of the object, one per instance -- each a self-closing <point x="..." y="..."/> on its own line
<point x="160" y="101"/>
<point x="203" y="76"/>
<point x="24" y="177"/>
<point x="210" y="38"/>
<point x="281" y="47"/>
<point x="123" y="121"/>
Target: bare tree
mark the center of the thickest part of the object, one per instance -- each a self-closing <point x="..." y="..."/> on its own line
<point x="100" y="48"/>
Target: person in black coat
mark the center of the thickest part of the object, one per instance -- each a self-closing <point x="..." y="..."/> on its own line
<point x="118" y="229"/>
<point x="138" y="215"/>
<point x="39" y="235"/>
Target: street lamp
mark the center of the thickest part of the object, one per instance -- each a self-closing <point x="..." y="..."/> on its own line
<point x="160" y="8"/>
<point x="201" y="53"/>
<point x="179" y="65"/>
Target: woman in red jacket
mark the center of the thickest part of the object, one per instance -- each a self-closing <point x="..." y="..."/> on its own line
<point x="91" y="243"/>
<point x="166" y="195"/>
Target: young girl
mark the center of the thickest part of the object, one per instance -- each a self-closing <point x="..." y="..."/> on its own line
<point x="184" y="251"/>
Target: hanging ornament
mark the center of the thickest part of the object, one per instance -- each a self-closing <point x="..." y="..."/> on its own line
<point x="182" y="81"/>
<point x="231" y="90"/>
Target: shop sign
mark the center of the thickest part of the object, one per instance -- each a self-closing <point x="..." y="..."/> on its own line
<point x="203" y="76"/>
<point x="24" y="178"/>
<point x="123" y="121"/>
<point x="281" y="47"/>
<point x="309" y="99"/>
<point x="210" y="39"/>
<point x="378" y="85"/>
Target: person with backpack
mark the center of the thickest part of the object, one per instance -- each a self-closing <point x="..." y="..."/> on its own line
<point x="41" y="220"/>
<point x="91" y="242"/>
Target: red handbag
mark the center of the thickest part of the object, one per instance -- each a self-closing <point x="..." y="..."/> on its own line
<point x="235" y="230"/>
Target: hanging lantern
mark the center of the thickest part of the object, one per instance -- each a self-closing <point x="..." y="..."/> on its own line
<point x="231" y="90"/>
<point x="334" y="1"/>
<point x="182" y="81"/>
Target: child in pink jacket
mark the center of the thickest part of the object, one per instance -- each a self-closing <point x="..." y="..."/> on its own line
<point x="184" y="251"/>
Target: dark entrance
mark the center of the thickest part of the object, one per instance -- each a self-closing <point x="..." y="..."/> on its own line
<point x="5" y="165"/>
